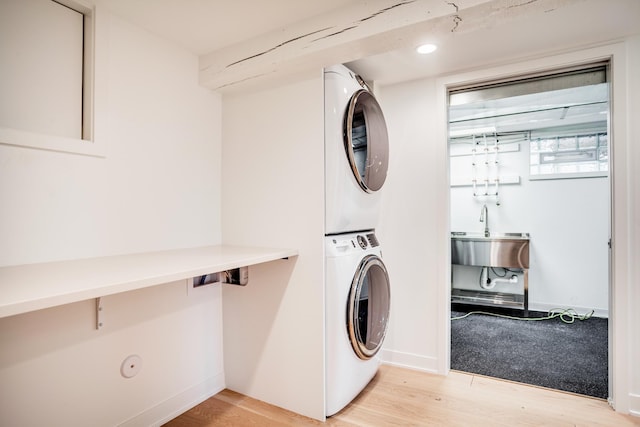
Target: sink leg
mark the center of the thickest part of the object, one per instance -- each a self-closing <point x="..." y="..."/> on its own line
<point x="526" y="292"/>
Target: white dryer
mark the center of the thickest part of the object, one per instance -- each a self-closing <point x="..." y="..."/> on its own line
<point x="357" y="314"/>
<point x="356" y="152"/>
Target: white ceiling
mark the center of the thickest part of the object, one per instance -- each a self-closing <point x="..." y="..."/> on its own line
<point x="203" y="26"/>
<point x="489" y="42"/>
<point x="564" y="107"/>
<point x="495" y="31"/>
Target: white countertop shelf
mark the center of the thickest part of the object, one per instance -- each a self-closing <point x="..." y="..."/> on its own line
<point x="31" y="287"/>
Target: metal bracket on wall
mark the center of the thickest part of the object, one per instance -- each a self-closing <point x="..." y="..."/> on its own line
<point x="235" y="276"/>
<point x="99" y="317"/>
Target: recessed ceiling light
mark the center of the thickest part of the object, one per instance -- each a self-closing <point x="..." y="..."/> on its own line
<point x="426" y="48"/>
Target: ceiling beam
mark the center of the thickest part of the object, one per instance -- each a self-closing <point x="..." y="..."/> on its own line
<point x="348" y="34"/>
<point x="309" y="43"/>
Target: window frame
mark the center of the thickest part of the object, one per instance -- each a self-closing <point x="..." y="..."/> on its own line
<point x="93" y="56"/>
<point x="570" y="175"/>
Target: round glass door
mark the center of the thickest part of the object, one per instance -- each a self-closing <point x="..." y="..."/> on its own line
<point x="368" y="307"/>
<point x="366" y="141"/>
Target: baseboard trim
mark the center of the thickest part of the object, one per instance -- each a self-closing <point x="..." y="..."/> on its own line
<point x="178" y="404"/>
<point x="597" y="312"/>
<point x="634" y="404"/>
<point x="410" y="361"/>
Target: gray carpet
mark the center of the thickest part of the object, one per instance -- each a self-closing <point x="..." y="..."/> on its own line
<point x="548" y="353"/>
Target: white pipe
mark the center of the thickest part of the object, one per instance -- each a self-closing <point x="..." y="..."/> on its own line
<point x="474" y="171"/>
<point x="512" y="279"/>
<point x="488" y="284"/>
<point x="486" y="165"/>
<point x="486" y="151"/>
<point x="496" y="169"/>
<point x="484" y="280"/>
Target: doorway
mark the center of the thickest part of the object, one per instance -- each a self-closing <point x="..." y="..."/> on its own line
<point x="530" y="157"/>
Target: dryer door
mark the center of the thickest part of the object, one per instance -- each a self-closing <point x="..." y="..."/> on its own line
<point x="366" y="141"/>
<point x="368" y="307"/>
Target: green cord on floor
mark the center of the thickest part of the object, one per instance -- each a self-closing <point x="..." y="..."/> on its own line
<point x="568" y="315"/>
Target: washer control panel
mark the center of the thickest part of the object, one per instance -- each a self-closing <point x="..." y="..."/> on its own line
<point x="353" y="241"/>
<point x="373" y="241"/>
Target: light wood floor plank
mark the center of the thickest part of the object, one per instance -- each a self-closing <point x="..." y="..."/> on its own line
<point x="402" y="397"/>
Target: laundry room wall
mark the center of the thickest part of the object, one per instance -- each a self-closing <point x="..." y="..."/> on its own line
<point x="568" y="222"/>
<point x="273" y="195"/>
<point x="157" y="188"/>
<point x="632" y="169"/>
<point x="414" y="208"/>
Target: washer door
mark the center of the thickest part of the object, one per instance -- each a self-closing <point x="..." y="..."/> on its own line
<point x="368" y="307"/>
<point x="366" y="141"/>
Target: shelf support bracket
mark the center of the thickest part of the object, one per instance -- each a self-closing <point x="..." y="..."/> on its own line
<point x="99" y="317"/>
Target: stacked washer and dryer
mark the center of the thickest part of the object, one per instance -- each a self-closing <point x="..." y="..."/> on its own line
<point x="357" y="284"/>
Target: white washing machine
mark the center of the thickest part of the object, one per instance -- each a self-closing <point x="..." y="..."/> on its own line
<point x="356" y="153"/>
<point x="357" y="314"/>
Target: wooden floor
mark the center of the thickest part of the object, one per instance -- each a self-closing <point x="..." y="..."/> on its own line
<point x="401" y="397"/>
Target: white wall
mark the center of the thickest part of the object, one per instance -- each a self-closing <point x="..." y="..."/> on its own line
<point x="568" y="220"/>
<point x="408" y="230"/>
<point x="629" y="352"/>
<point x="273" y="195"/>
<point x="57" y="369"/>
<point x="157" y="188"/>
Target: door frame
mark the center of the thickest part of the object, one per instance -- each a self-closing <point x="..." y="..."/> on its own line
<point x="619" y="286"/>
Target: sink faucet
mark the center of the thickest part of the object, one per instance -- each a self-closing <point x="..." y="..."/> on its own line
<point x="484" y="217"/>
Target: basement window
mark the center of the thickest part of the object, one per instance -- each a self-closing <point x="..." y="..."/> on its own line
<point x="561" y="117"/>
<point x="46" y="89"/>
<point x="576" y="155"/>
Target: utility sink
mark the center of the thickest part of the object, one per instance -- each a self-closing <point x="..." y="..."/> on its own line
<point x="508" y="250"/>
